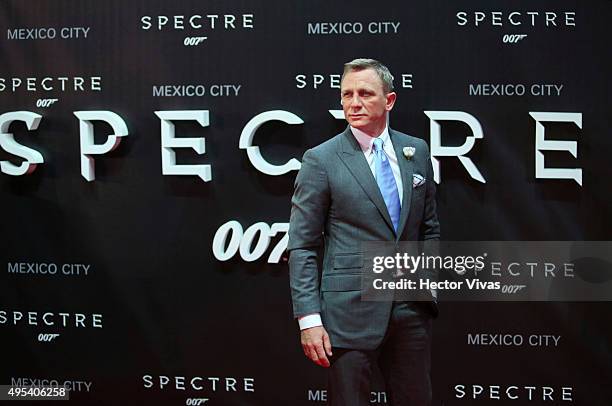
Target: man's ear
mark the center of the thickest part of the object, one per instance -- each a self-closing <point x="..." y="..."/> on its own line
<point x="391" y="97"/>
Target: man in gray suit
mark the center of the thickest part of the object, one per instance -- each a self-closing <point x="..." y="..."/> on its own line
<point x="369" y="183"/>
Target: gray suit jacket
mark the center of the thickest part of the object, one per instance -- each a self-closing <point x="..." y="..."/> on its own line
<point x="336" y="206"/>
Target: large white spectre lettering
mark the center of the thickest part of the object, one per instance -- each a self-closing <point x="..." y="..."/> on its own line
<point x="88" y="148"/>
<point x="168" y="143"/>
<point x="30" y="156"/>
<point x="437" y="149"/>
<point x="541" y="172"/>
<point x="253" y="152"/>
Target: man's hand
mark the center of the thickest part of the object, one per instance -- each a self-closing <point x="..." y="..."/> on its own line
<point x="316" y="345"/>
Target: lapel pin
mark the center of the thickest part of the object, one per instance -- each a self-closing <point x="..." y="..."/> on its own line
<point x="409" y="152"/>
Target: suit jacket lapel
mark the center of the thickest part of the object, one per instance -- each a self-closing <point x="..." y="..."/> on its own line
<point x="352" y="156"/>
<point x="406" y="170"/>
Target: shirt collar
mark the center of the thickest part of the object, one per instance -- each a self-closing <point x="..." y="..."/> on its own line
<point x="365" y="141"/>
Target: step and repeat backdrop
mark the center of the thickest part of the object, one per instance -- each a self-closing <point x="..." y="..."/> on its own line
<point x="148" y="151"/>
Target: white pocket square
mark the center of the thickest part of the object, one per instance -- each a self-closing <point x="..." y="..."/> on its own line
<point x="417" y="180"/>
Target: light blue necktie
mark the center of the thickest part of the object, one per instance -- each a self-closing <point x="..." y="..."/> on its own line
<point x="386" y="181"/>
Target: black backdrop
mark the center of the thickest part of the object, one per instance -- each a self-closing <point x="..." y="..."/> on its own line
<point x="168" y="306"/>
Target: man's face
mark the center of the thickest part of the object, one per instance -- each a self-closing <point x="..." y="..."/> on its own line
<point x="364" y="102"/>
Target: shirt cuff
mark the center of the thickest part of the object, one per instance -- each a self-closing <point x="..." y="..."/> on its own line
<point x="310" y="320"/>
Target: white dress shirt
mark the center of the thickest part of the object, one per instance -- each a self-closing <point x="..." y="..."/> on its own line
<point x="365" y="142"/>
